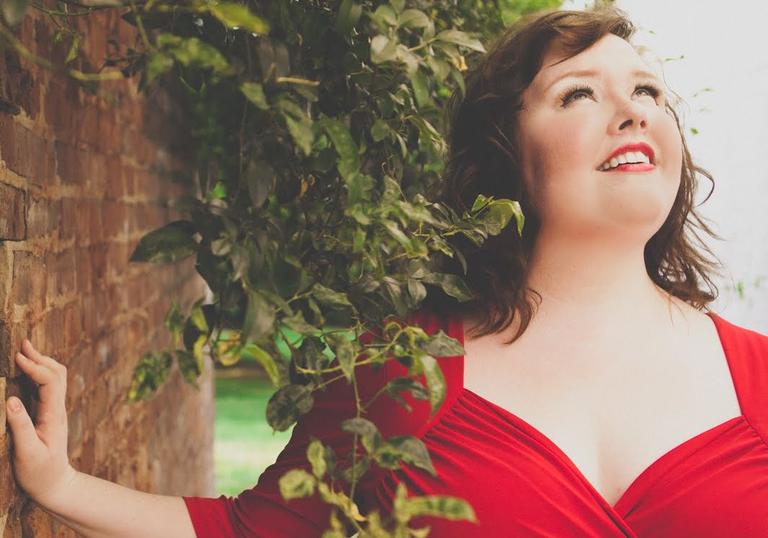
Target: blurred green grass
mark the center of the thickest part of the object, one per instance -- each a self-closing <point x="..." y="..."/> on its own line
<point x="244" y="444"/>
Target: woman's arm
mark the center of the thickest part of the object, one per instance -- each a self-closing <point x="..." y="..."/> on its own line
<point x="91" y="506"/>
<point x="99" y="508"/>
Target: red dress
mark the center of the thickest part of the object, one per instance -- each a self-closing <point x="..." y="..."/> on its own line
<point x="516" y="479"/>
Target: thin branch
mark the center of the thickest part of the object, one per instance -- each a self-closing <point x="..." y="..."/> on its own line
<point x="7" y="35"/>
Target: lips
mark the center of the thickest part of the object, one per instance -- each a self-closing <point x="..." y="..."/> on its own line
<point x="642" y="147"/>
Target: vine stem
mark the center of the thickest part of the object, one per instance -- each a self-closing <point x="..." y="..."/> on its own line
<point x="7" y="35"/>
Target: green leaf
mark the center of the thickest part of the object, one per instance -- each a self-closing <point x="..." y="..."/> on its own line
<point x="460" y="38"/>
<point x="192" y="52"/>
<point x="440" y="68"/>
<point x="367" y="430"/>
<point x="287" y="404"/>
<point x="359" y="188"/>
<point x="344" y="144"/>
<point x="452" y="285"/>
<point x="296" y="484"/>
<point x="498" y="214"/>
<point x="158" y="64"/>
<point x="401" y="384"/>
<point x="386" y="14"/>
<point x="383" y="49"/>
<point x="398" y="5"/>
<point x="150" y="372"/>
<point x="416" y="291"/>
<point x="301" y="132"/>
<point x="13" y="10"/>
<point x="174" y="319"/>
<point x="254" y="352"/>
<point x="74" y="48"/>
<point x="259" y="317"/>
<point x="298" y="323"/>
<point x="420" y="86"/>
<point x="329" y="297"/>
<point x="171" y="243"/>
<point x="413" y="18"/>
<point x="260" y="178"/>
<point x="379" y="130"/>
<point x="226" y="347"/>
<point x="404" y="448"/>
<point x="316" y="457"/>
<point x="452" y="508"/>
<point x="396" y="233"/>
<point x="237" y="16"/>
<point x="354" y="472"/>
<point x="433" y="375"/>
<point x="254" y="92"/>
<point x="345" y="354"/>
<point x="191" y="367"/>
<point x="442" y="345"/>
<point x="348" y="15"/>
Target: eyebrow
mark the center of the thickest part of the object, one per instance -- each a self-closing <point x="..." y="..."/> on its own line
<point x="637" y="73"/>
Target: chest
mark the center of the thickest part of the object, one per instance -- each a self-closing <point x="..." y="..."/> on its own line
<point x="611" y="407"/>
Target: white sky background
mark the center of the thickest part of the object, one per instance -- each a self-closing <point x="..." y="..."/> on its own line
<point x="722" y="49"/>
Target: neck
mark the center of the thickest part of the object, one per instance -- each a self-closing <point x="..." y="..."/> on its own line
<point x="591" y="284"/>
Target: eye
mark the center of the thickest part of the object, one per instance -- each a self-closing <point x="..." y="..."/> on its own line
<point x="651" y="89"/>
<point x="573" y="91"/>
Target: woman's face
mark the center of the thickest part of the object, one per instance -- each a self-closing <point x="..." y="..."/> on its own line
<point x="570" y="125"/>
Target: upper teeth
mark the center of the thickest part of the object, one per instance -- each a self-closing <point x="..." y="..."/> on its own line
<point x="628" y="157"/>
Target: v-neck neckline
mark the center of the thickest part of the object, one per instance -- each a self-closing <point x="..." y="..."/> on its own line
<point x="664" y="460"/>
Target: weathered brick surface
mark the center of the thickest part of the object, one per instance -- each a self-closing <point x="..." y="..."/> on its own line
<point x="77" y="192"/>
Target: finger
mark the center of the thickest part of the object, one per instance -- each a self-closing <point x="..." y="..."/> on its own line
<point x="25" y="439"/>
<point x="28" y="349"/>
<point x="52" y="392"/>
<point x="40" y="374"/>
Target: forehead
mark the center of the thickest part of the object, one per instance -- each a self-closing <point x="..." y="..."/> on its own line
<point x="610" y="53"/>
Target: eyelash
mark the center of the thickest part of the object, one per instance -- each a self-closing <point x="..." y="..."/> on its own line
<point x="565" y="98"/>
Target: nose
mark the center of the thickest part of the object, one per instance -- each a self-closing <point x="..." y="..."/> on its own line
<point x="630" y="114"/>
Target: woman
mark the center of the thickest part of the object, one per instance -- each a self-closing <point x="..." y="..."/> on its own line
<point x="609" y="406"/>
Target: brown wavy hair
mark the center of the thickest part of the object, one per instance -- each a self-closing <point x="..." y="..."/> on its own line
<point x="483" y="159"/>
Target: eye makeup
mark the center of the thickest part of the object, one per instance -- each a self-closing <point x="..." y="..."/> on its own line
<point x="567" y="95"/>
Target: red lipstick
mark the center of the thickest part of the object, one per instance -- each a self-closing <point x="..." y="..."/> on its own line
<point x="642" y="147"/>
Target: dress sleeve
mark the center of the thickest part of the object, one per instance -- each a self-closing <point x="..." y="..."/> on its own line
<point x="261" y="511"/>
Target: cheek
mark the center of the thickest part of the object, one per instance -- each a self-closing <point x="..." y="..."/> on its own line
<point x="552" y="150"/>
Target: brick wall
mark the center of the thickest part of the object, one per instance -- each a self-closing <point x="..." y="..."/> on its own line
<point x="77" y="192"/>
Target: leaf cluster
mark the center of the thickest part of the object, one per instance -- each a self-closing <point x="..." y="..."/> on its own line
<point x="318" y="136"/>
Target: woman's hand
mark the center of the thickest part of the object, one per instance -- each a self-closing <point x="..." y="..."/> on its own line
<point x="40" y="457"/>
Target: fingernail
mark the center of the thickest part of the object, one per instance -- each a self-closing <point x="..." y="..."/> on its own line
<point x="14" y="404"/>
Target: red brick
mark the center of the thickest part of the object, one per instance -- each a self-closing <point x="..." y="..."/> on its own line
<point x="113" y="174"/>
<point x="61" y="273"/>
<point x="98" y="255"/>
<point x="43" y="217"/>
<point x="36" y="522"/>
<point x="73" y="327"/>
<point x="62" y="107"/>
<point x="113" y="217"/>
<point x="71" y="163"/>
<point x="28" y="154"/>
<point x="13" y="222"/>
<point x="19" y="84"/>
<point x="29" y="280"/>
